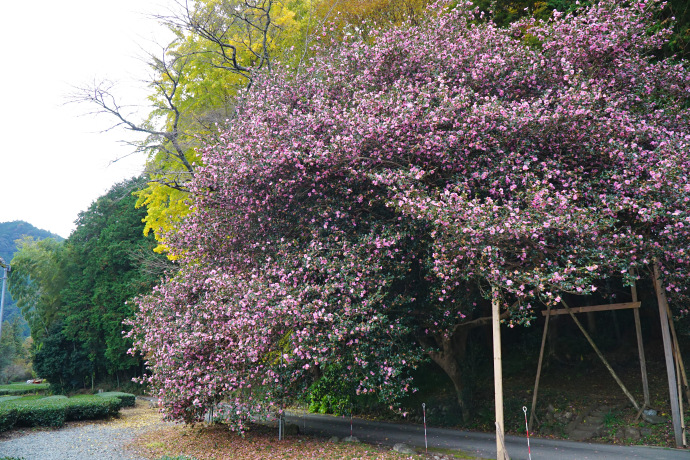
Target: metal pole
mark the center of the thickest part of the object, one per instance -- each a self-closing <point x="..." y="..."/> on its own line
<point x="5" y="270"/>
<point x="351" y="431"/>
<point x="529" y="449"/>
<point x="282" y="406"/>
<point x="426" y="445"/>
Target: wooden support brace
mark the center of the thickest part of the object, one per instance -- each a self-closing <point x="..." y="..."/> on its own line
<point x="679" y="358"/>
<point x="502" y="454"/>
<point x="601" y="356"/>
<point x="541" y="359"/>
<point x="668" y="355"/>
<point x="612" y="306"/>
<point x="680" y="398"/>
<point x="640" y="348"/>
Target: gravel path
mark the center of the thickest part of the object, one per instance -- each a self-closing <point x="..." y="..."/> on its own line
<point x="106" y="440"/>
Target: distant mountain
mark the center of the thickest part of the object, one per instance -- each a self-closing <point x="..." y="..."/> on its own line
<point x="12" y="231"/>
<point x="9" y="233"/>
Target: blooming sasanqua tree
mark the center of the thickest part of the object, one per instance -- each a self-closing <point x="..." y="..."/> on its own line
<point x="351" y="213"/>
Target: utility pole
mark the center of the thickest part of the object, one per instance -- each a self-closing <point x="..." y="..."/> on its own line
<point x="5" y="271"/>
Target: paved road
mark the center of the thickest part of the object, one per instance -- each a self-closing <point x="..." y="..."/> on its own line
<point x="481" y="445"/>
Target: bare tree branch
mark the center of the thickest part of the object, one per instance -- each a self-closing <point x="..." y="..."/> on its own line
<point x="171" y="142"/>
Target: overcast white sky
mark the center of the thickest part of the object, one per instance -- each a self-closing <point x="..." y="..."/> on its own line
<point x="54" y="162"/>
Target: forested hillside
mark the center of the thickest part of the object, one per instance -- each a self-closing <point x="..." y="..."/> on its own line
<point x="74" y="293"/>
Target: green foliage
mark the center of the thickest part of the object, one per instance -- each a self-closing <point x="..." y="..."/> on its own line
<point x="333" y="394"/>
<point x="14" y="359"/>
<point x="74" y="294"/>
<point x="679" y="42"/>
<point x="62" y="361"/>
<point x="10" y="232"/>
<point x="8" y="417"/>
<point x="324" y="399"/>
<point x="55" y="398"/>
<point x="105" y="269"/>
<point x="127" y="399"/>
<point x="36" y="279"/>
<point x="613" y="419"/>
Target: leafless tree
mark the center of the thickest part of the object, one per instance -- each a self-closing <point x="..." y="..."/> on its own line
<point x="172" y="141"/>
<point x="228" y="27"/>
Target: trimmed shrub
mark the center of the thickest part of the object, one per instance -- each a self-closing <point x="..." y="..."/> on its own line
<point x="53" y="411"/>
<point x="128" y="399"/>
<point x="40" y="412"/>
<point x="8" y="418"/>
<point x="8" y="398"/>
<point x="91" y="407"/>
<point x="54" y="398"/>
<point x="30" y="397"/>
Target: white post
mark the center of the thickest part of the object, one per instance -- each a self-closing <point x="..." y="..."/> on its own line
<point x="501" y="453"/>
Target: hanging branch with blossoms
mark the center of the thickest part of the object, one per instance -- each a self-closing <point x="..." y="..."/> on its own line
<point x="356" y="215"/>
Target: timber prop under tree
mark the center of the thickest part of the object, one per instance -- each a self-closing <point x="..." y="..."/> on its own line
<point x="674" y="362"/>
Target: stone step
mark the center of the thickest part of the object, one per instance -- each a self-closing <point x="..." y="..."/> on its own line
<point x="593" y="420"/>
<point x="581" y="434"/>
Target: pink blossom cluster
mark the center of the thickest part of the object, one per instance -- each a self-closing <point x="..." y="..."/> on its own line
<point x="352" y="208"/>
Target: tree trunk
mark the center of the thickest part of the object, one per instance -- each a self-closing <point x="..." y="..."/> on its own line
<point x="452" y="349"/>
<point x="448" y="351"/>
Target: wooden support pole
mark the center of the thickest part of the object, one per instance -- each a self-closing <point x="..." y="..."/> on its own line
<point x="678" y="356"/>
<point x="601" y="356"/>
<point x="668" y="354"/>
<point x="640" y="347"/>
<point x="501" y="453"/>
<point x="680" y="399"/>
<point x="541" y="359"/>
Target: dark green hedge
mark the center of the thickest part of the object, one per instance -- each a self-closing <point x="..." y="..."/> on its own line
<point x="92" y="407"/>
<point x="54" y="411"/>
<point x="8" y="417"/>
<point x="39" y="412"/>
<point x="128" y="399"/>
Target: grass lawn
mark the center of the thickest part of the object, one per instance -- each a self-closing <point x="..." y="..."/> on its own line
<point x="22" y="388"/>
